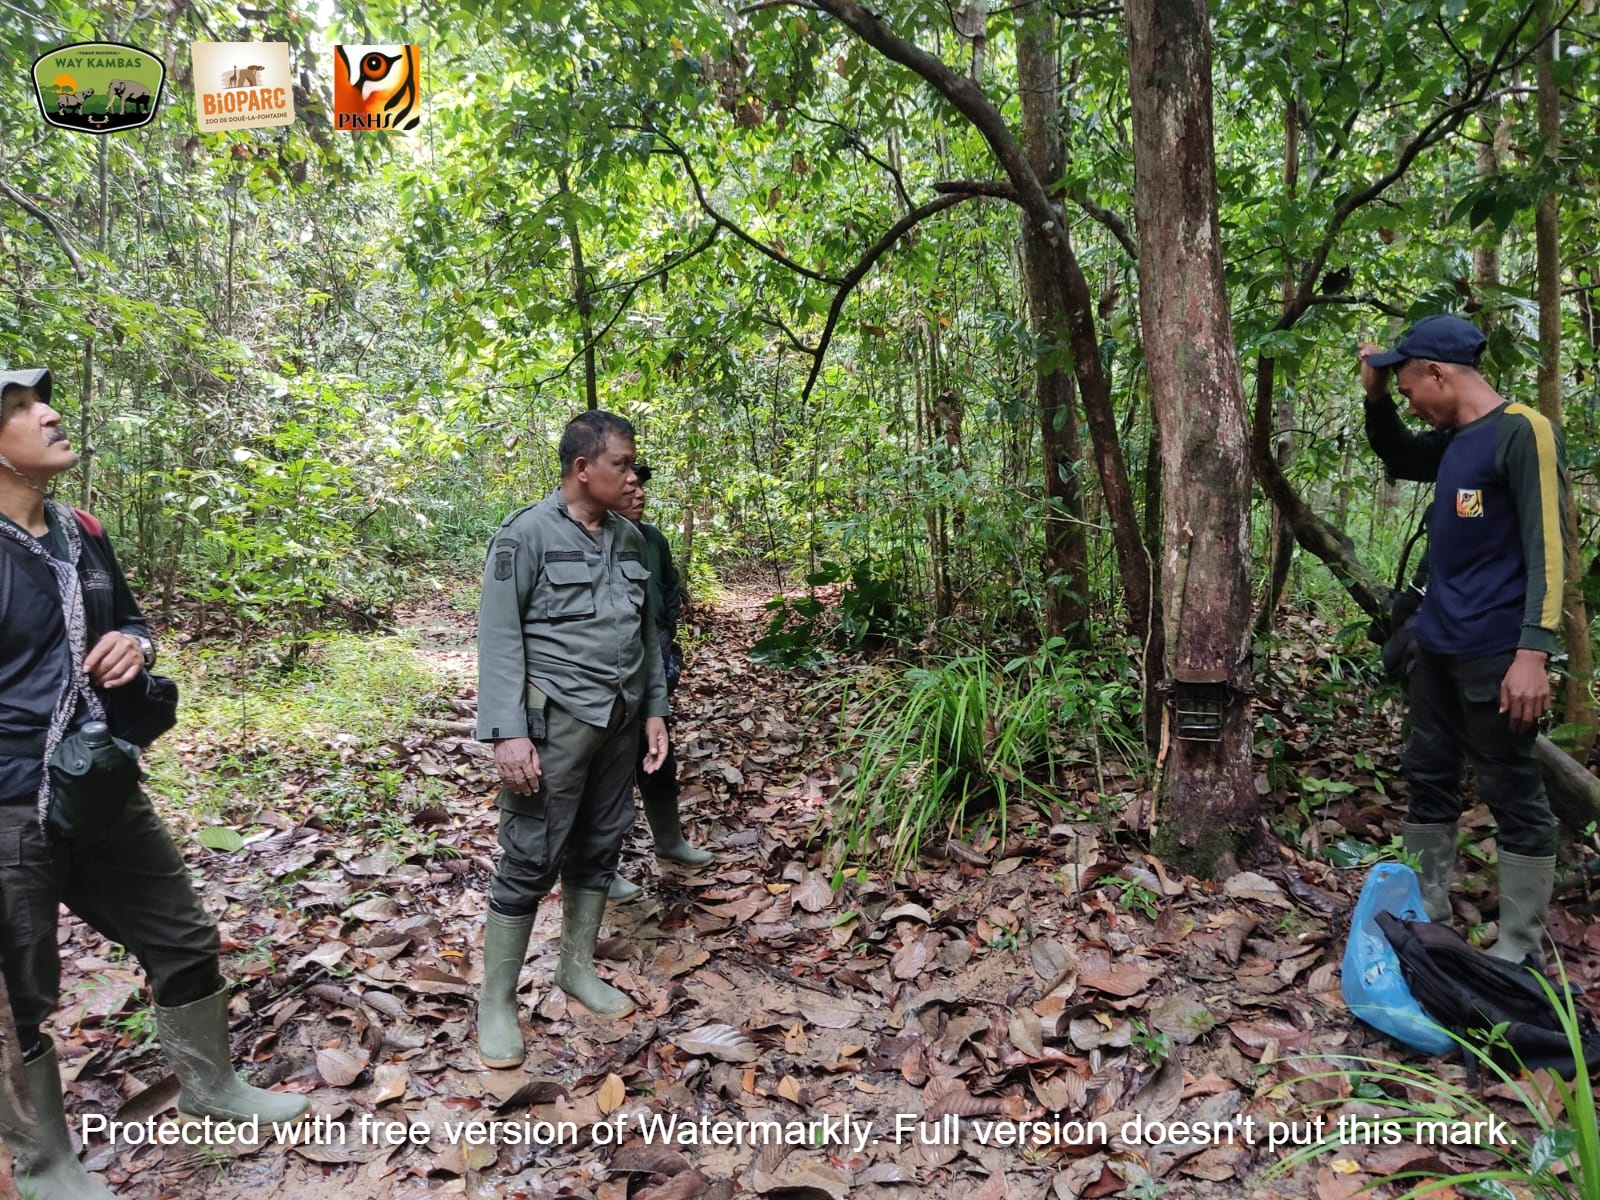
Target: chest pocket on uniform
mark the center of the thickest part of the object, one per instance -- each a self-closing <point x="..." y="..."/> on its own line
<point x="638" y="577"/>
<point x="569" y="593"/>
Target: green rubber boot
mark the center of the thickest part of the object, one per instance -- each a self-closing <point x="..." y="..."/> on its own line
<point x="623" y="892"/>
<point x="1525" y="887"/>
<point x="505" y="947"/>
<point x="1436" y="846"/>
<point x="667" y="831"/>
<point x="43" y="1161"/>
<point x="194" y="1039"/>
<point x="581" y="911"/>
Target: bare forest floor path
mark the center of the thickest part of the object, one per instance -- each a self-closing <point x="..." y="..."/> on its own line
<point x="1063" y="977"/>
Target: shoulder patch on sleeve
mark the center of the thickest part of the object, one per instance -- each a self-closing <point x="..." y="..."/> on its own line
<point x="504" y="561"/>
<point x="511" y="542"/>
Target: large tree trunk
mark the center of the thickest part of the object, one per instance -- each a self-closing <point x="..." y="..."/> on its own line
<point x="1066" y="568"/>
<point x="1208" y="801"/>
<point x="1580" y="706"/>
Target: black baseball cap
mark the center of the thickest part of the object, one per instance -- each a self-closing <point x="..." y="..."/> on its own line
<point x="37" y="378"/>
<point x="1443" y="338"/>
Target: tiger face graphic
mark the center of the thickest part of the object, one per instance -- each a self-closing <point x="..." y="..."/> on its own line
<point x="377" y="87"/>
<point x="1469" y="502"/>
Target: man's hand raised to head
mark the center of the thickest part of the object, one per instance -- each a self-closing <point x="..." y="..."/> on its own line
<point x="1374" y="380"/>
<point x="1525" y="691"/>
<point x="655" y="736"/>
<point x="518" y="764"/>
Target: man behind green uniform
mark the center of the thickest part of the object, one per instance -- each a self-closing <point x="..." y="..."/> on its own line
<point x="564" y="675"/>
<point x="660" y="788"/>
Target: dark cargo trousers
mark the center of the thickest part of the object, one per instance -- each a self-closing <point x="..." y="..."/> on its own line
<point x="573" y="826"/>
<point x="128" y="881"/>
<point x="1455" y="715"/>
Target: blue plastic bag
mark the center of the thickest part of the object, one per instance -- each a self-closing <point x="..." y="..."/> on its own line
<point x="1370" y="978"/>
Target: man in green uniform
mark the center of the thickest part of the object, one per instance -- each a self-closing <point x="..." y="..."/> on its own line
<point x="564" y="679"/>
<point x="71" y="638"/>
<point x="1489" y="619"/>
<point x="660" y="788"/>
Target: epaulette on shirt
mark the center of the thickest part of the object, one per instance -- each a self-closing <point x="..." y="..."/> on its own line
<point x="512" y="516"/>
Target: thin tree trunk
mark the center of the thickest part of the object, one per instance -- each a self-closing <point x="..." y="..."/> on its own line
<point x="1280" y="539"/>
<point x="584" y="301"/>
<point x="1580" y="708"/>
<point x="1208" y="801"/>
<point x="1066" y="569"/>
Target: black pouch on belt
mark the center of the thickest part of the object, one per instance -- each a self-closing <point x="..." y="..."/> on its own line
<point x="90" y="784"/>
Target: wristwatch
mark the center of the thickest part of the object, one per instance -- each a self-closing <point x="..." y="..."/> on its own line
<point x="146" y="648"/>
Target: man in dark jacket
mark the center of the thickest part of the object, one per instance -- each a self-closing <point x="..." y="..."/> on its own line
<point x="660" y="788"/>
<point x="70" y="636"/>
<point x="1489" y="620"/>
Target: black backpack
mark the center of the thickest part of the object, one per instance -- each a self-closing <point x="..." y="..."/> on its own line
<point x="1470" y="993"/>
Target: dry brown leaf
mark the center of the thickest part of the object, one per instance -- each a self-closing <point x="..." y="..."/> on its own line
<point x="830" y="1014"/>
<point x="789" y="1089"/>
<point x="612" y="1093"/>
<point x="341" y="1067"/>
<point x="1248" y="885"/>
<point x="1127" y="978"/>
<point x="390" y="1082"/>
<point x="1181" y="1017"/>
<point x="1053" y="962"/>
<point x="647" y="1158"/>
<point x="912" y="958"/>
<point x="535" y="1091"/>
<point x="801" y="1178"/>
<point x="687" y="1185"/>
<point x="915" y="911"/>
<point x="719" y="1041"/>
<point x="1025" y="1032"/>
<point x="814" y="894"/>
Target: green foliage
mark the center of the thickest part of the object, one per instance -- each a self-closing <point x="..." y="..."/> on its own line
<point x="328" y="709"/>
<point x="940" y="744"/>
<point x="872" y="612"/>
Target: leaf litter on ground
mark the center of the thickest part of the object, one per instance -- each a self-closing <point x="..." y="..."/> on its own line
<point x="988" y="985"/>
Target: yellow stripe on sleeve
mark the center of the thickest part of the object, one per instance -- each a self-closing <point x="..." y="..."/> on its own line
<point x="1555" y="567"/>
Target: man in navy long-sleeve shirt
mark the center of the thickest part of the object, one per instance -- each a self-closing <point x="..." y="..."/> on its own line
<point x="1490" y="616"/>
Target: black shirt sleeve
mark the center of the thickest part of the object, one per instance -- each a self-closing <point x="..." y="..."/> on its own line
<point x="1405" y="455"/>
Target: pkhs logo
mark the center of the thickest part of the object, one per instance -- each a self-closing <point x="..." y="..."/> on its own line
<point x="1469" y="502"/>
<point x="377" y="87"/>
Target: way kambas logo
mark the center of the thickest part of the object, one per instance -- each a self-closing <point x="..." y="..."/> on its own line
<point x="242" y="85"/>
<point x="377" y="87"/>
<point x="98" y="87"/>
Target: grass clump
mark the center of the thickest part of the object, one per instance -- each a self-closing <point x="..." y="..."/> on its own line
<point x="1561" y="1162"/>
<point x="971" y="735"/>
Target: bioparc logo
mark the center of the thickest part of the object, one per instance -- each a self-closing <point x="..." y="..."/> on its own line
<point x="377" y="87"/>
<point x="242" y="85"/>
<point x="98" y="87"/>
